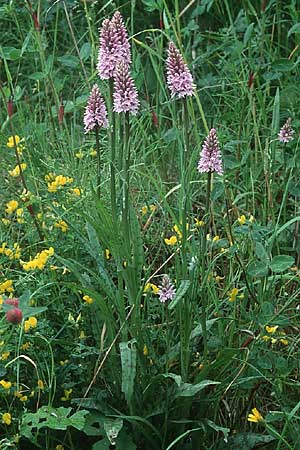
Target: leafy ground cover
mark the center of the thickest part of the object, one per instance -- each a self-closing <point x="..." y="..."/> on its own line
<point x="149" y="233"/>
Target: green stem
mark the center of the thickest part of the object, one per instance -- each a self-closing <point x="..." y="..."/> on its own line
<point x="112" y="157"/>
<point x="98" y="161"/>
<point x="125" y="211"/>
<point x="206" y="229"/>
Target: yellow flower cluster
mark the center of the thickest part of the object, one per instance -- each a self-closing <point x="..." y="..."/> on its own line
<point x="174" y="239"/>
<point x="12" y="140"/>
<point x="16" y="171"/>
<point x="233" y="294"/>
<point x="11" y="206"/>
<point x="6" y="418"/>
<point x="67" y="395"/>
<point x="255" y="416"/>
<point x="151" y="287"/>
<point x="5" y="384"/>
<point x="30" y="323"/>
<point x="11" y="254"/>
<point x="39" y="261"/>
<point x="62" y="225"/>
<point x="271" y="330"/>
<point x="76" y="191"/>
<point x="145" y="209"/>
<point x="89" y="300"/>
<point x="59" y="181"/>
<point x="6" y="286"/>
<point x="5" y="356"/>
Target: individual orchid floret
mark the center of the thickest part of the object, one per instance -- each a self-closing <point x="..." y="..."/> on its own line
<point x="125" y="93"/>
<point x="286" y="133"/>
<point x="210" y="158"/>
<point x="166" y="290"/>
<point x="95" y="112"/>
<point x="114" y="46"/>
<point x="179" y="78"/>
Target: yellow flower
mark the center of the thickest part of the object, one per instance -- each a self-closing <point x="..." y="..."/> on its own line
<point x="93" y="152"/>
<point x="216" y="238"/>
<point x="11" y="206"/>
<point x="59" y="181"/>
<point x="40" y="384"/>
<point x="107" y="254"/>
<point x="59" y="447"/>
<point x="26" y="346"/>
<point x="76" y="191"/>
<point x="67" y="395"/>
<point x="62" y="225"/>
<point x="199" y="223"/>
<point x="242" y="219"/>
<point x="30" y="323"/>
<point x="50" y="177"/>
<point x="152" y="287"/>
<point x="233" y="294"/>
<point x="6" y="286"/>
<point x="5" y="221"/>
<point x="5" y="384"/>
<point x="284" y="341"/>
<point x="11" y="141"/>
<point x="23" y="398"/>
<point x="62" y="363"/>
<point x="89" y="300"/>
<point x="20" y="214"/>
<point x="39" y="260"/>
<point x="6" y="418"/>
<point x="271" y="330"/>
<point x="171" y="241"/>
<point x="145" y="350"/>
<point x="218" y="278"/>
<point x="5" y="356"/>
<point x="177" y="231"/>
<point x="251" y="219"/>
<point x="16" y="171"/>
<point x="79" y="154"/>
<point x="153" y="208"/>
<point x="144" y="210"/>
<point x="255" y="416"/>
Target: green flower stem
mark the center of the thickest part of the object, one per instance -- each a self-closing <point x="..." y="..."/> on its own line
<point x="112" y="156"/>
<point x="127" y="155"/>
<point x="98" y="161"/>
<point x="206" y="229"/>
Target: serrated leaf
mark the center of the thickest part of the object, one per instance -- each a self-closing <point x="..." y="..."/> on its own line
<point x="184" y="285"/>
<point x="281" y="262"/>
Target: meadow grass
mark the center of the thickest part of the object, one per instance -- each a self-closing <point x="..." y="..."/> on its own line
<point x="96" y="227"/>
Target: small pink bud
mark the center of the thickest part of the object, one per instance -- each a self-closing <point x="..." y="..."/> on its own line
<point x="35" y="21"/>
<point x="14" y="316"/>
<point x="12" y="301"/>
